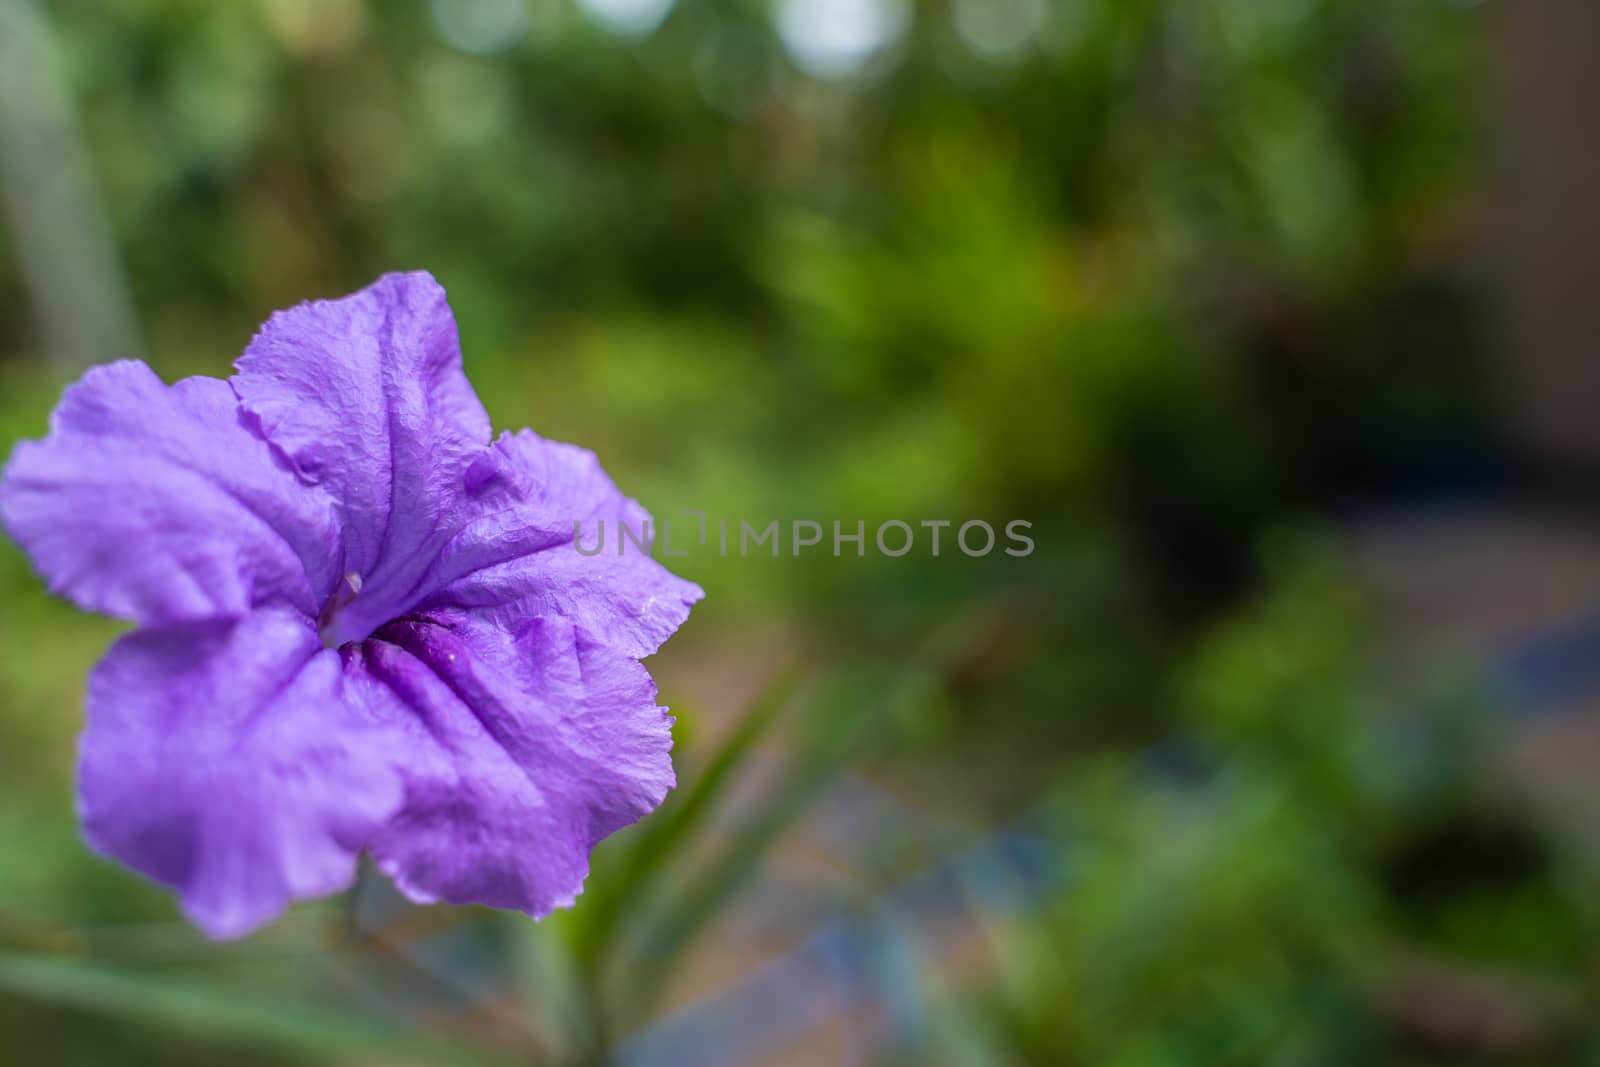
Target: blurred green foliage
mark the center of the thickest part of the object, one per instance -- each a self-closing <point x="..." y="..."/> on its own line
<point x="1339" y="885"/>
<point x="1164" y="278"/>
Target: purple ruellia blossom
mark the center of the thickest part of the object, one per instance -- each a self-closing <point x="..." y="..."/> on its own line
<point x="362" y="625"/>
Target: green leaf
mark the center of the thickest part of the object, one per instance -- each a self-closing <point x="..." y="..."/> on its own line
<point x="191" y="1003"/>
<point x="669" y="833"/>
<point x="846" y="718"/>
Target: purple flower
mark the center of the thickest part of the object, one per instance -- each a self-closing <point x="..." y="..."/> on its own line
<point x="362" y="625"/>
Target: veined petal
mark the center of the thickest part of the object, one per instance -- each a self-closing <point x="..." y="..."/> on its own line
<point x="156" y="504"/>
<point x="366" y="397"/>
<point x="224" y="758"/>
<point x="517" y="558"/>
<point x="522" y="755"/>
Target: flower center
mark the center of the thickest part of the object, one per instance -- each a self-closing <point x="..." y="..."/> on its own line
<point x="327" y="621"/>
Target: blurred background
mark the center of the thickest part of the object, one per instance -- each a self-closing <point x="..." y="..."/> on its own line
<point x="1276" y="318"/>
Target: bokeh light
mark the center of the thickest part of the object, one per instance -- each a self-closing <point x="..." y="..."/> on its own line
<point x="628" y="18"/>
<point x="837" y="38"/>
<point x="481" y="26"/>
<point x="1000" y="30"/>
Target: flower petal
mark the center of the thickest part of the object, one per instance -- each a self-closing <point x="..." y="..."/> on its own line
<point x="156" y="504"/>
<point x="365" y="395"/>
<point x="523" y="755"/>
<point x="225" y="759"/>
<point x="518" y="558"/>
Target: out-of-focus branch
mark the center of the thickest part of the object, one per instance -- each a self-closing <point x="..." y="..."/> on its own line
<point x="64" y="242"/>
